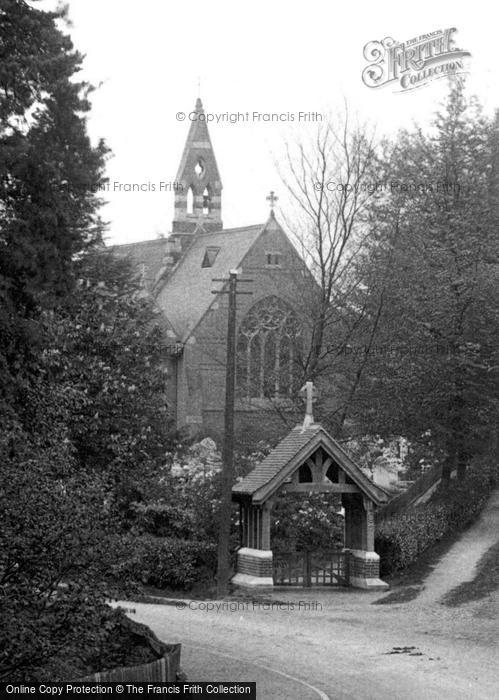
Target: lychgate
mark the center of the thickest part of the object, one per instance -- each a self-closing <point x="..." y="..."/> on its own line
<point x="307" y="460"/>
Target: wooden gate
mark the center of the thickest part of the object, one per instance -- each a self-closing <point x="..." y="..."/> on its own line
<point x="318" y="568"/>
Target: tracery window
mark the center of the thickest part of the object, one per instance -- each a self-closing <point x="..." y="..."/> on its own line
<point x="268" y="350"/>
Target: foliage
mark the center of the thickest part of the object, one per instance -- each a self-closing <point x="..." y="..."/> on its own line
<point x="108" y="346"/>
<point x="167" y="562"/>
<point x="433" y="241"/>
<point x="403" y="240"/>
<point x="402" y="538"/>
<point x="368" y="451"/>
<point x="182" y="499"/>
<point x="54" y="546"/>
<point x="120" y="642"/>
<point x="403" y="458"/>
<point x="48" y="166"/>
<point x="307" y="523"/>
<point x="80" y="385"/>
<point x="70" y="455"/>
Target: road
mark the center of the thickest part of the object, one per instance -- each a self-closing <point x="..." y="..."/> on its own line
<point x="341" y="645"/>
<point x="327" y="643"/>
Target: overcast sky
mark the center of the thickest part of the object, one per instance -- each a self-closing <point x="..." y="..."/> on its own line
<point x="264" y="57"/>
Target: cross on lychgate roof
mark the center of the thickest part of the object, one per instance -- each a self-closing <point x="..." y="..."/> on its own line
<point x="309" y="393"/>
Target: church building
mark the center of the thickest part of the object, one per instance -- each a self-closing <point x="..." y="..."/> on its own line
<point x="185" y="270"/>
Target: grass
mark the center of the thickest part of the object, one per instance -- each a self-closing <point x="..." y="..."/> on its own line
<point x="486" y="581"/>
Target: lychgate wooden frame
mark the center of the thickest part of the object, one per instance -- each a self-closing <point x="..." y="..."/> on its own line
<point x="307" y="460"/>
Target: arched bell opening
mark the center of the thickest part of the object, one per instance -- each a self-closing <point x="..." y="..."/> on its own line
<point x="190" y="201"/>
<point x="206" y="201"/>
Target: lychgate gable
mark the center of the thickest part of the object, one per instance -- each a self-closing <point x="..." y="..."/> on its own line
<point x="307" y="460"/>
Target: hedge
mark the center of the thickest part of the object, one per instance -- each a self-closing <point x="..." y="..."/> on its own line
<point x="403" y="537"/>
<point x="167" y="562"/>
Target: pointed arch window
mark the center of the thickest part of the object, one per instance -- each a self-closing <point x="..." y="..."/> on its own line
<point x="268" y="350"/>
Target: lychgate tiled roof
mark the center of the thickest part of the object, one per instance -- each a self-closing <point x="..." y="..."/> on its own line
<point x="276" y="460"/>
<point x="289" y="454"/>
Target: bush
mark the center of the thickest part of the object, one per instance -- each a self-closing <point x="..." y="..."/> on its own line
<point x="167" y="562"/>
<point x="116" y="641"/>
<point x="302" y="522"/>
<point x="402" y="538"/>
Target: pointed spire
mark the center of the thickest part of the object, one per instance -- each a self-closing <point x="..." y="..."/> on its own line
<point x="198" y="200"/>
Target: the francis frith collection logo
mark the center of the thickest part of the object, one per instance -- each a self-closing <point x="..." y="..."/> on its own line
<point x="415" y="62"/>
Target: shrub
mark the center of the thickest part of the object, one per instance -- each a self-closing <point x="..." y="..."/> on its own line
<point x="402" y="538"/>
<point x="182" y="501"/>
<point x="302" y="522"/>
<point x="167" y="562"/>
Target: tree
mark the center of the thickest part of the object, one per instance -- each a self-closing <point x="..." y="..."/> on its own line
<point x="331" y="183"/>
<point x="48" y="207"/>
<point x="55" y="507"/>
<point x="437" y="220"/>
<point x="109" y="346"/>
<point x="97" y="434"/>
<point x="55" y="546"/>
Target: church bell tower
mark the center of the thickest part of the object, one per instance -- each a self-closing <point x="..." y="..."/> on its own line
<point x="198" y="202"/>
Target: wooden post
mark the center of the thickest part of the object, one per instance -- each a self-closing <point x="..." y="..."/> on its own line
<point x="368" y="537"/>
<point x="266" y="525"/>
<point x="307" y="572"/>
<point x="228" y="446"/>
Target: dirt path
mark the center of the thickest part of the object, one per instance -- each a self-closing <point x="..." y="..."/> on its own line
<point x="459" y="564"/>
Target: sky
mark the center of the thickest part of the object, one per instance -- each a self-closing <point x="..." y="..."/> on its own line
<point x="152" y="59"/>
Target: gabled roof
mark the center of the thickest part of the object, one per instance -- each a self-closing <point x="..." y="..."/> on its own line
<point x="289" y="454"/>
<point x="186" y="295"/>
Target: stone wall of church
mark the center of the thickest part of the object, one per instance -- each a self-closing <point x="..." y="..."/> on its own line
<point x="204" y="362"/>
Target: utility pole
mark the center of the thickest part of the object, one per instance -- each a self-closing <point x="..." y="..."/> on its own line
<point x="228" y="446"/>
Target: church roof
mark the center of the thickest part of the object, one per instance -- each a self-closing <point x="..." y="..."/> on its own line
<point x="186" y="295"/>
<point x="147" y="256"/>
<point x="261" y="483"/>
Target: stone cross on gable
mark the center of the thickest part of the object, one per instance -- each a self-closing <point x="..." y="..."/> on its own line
<point x="272" y="199"/>
<point x="309" y="393"/>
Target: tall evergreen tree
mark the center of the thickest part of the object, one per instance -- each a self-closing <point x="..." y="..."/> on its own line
<point x="437" y="220"/>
